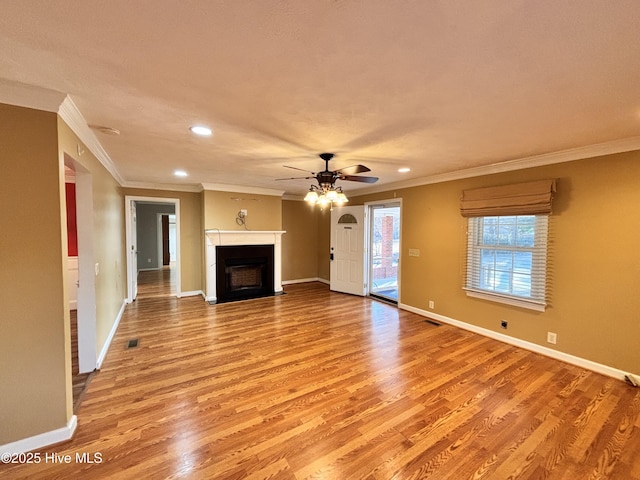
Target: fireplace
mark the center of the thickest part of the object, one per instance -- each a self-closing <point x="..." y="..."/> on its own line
<point x="244" y="271"/>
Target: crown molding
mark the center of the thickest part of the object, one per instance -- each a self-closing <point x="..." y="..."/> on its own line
<point x="30" y="96"/>
<point x="579" y="153"/>
<point x="221" y="187"/>
<point x="76" y="122"/>
<point x="172" y="187"/>
<point x="292" y="197"/>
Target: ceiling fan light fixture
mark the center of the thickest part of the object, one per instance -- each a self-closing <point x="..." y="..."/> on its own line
<point x="312" y="196"/>
<point x="326" y="193"/>
<point x="331" y="195"/>
<point x="323" y="201"/>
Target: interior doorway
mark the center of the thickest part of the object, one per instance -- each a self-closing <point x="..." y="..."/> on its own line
<point x="153" y="237"/>
<point x="384" y="250"/>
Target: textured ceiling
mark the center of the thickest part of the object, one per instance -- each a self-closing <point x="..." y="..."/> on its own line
<point x="437" y="86"/>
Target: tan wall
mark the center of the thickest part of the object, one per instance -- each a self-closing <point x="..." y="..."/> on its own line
<point x="108" y="234"/>
<point x="595" y="229"/>
<point x="300" y="243"/>
<point x="191" y="234"/>
<point x="264" y="212"/>
<point x="34" y="323"/>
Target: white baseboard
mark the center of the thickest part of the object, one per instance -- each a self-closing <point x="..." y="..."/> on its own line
<point x="305" y="280"/>
<point x="192" y="293"/>
<point x="534" y="347"/>
<point x="43" y="439"/>
<point x="107" y="343"/>
<point x="299" y="280"/>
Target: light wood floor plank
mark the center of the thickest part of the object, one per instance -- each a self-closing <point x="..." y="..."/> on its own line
<point x="316" y="384"/>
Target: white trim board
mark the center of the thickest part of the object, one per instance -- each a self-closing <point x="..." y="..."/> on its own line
<point x="621" y="145"/>
<point x="72" y="116"/>
<point x="191" y="293"/>
<point x="43" y="439"/>
<point x="222" y="187"/>
<point x="306" y="280"/>
<point x="112" y="332"/>
<point x="300" y="280"/>
<point x="548" y="352"/>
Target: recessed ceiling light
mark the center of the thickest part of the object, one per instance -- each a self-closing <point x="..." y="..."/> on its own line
<point x="404" y="169"/>
<point x="180" y="173"/>
<point x="201" y="130"/>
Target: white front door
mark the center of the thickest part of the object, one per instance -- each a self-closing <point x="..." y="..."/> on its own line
<point x="348" y="250"/>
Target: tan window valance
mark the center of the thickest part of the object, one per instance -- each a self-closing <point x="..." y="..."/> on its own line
<point x="528" y="198"/>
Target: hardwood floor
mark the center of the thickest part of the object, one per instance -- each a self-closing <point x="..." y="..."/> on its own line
<point x="316" y="384"/>
<point x="157" y="283"/>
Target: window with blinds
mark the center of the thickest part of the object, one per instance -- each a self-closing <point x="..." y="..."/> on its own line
<point x="507" y="242"/>
<point x="507" y="257"/>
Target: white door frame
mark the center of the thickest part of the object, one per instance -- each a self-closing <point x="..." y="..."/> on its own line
<point x="369" y="226"/>
<point x="86" y="307"/>
<point x="130" y="200"/>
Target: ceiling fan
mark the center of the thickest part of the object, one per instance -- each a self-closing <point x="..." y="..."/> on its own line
<point x="326" y="192"/>
<point x="327" y="177"/>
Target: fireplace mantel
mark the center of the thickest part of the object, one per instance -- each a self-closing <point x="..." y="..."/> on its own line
<point x="215" y="238"/>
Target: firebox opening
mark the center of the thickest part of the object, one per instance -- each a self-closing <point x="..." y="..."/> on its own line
<point x="244" y="276"/>
<point x="244" y="271"/>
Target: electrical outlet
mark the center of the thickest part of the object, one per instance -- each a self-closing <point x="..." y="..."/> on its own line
<point x="552" y="337"/>
<point x="432" y="304"/>
<point x="504" y="324"/>
<point x="97" y="268"/>
<point x="243" y="213"/>
<point x="414" y="252"/>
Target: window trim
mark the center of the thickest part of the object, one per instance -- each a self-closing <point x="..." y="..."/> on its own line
<point x="507" y="299"/>
<point x="536" y="303"/>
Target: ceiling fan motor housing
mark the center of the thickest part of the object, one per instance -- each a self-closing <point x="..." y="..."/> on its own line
<point x="326" y="179"/>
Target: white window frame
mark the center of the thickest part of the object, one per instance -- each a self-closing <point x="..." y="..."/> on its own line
<point x="537" y="299"/>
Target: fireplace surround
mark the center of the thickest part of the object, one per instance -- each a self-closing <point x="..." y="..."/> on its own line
<point x="241" y="260"/>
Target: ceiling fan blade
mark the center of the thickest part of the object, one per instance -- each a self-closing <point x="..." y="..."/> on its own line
<point x="354" y="178"/>
<point x="296" y="168"/>
<point x="295" y="178"/>
<point x="353" y="169"/>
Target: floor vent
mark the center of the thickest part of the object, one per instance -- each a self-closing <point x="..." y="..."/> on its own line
<point x="132" y="343"/>
<point x="432" y="322"/>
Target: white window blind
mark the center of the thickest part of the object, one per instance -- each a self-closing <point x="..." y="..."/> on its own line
<point x="507" y="259"/>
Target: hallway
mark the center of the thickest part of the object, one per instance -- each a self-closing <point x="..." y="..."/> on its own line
<point x="157" y="283"/>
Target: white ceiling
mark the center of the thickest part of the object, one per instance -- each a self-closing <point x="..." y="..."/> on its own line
<point x="437" y="86"/>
